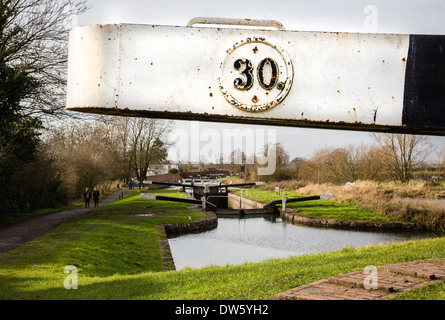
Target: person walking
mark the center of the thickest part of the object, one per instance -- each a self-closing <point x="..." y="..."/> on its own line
<point x="96" y="195"/>
<point x="87" y="197"/>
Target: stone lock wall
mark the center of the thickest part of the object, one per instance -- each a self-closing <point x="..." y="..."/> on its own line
<point x="235" y="201"/>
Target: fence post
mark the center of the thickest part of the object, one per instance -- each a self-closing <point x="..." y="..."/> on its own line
<point x="283" y="204"/>
<point x="203" y="199"/>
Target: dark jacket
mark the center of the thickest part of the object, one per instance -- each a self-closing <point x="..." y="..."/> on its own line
<point x="96" y="194"/>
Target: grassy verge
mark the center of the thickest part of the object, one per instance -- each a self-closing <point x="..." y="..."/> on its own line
<point x="415" y="202"/>
<point x="117" y="256"/>
<point x="246" y="281"/>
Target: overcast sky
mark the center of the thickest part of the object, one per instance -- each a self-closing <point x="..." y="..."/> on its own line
<point x="409" y="16"/>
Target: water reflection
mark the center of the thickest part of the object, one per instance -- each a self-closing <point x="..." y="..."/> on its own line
<point x="236" y="241"/>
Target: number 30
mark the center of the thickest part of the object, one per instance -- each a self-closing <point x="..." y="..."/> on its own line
<point x="245" y="67"/>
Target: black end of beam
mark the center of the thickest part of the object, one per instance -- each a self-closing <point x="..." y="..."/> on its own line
<point x="424" y="96"/>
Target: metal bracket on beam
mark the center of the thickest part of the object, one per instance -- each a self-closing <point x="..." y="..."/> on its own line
<point x="237" y="22"/>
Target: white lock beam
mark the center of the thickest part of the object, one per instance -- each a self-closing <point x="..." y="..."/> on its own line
<point x="352" y="81"/>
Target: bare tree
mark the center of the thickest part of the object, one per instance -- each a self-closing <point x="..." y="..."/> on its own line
<point x="355" y="163"/>
<point x="87" y="154"/>
<point x="343" y="165"/>
<point x="371" y="163"/>
<point x="237" y="160"/>
<point x="440" y="165"/>
<point x="148" y="144"/>
<point x="33" y="41"/>
<point x="276" y="154"/>
<point x="403" y="152"/>
<point x="115" y="132"/>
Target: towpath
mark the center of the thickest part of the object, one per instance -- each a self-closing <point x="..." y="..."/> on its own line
<point x="19" y="233"/>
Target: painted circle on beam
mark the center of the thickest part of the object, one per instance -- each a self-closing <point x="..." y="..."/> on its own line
<point x="256" y="75"/>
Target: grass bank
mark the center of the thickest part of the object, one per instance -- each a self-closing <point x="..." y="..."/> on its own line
<point x="116" y="252"/>
<point x="319" y="208"/>
<point x="416" y="202"/>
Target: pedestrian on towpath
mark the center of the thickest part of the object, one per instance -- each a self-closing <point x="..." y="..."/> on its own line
<point x="87" y="197"/>
<point x="96" y="195"/>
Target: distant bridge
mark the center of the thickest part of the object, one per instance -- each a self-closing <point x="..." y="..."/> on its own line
<point x="207" y="174"/>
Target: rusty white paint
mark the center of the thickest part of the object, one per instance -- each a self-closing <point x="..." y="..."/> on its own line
<point x="148" y="69"/>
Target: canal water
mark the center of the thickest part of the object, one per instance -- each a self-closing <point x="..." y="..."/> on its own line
<point x="236" y="241"/>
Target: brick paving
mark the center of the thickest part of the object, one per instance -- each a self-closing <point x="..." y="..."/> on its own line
<point x="391" y="279"/>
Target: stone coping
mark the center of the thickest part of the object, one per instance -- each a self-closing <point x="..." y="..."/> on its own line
<point x="209" y="222"/>
<point x="293" y="216"/>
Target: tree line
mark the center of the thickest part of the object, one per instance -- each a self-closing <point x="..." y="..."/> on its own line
<point x="79" y="155"/>
<point x="33" y="55"/>
<point x="49" y="155"/>
<point x="106" y="150"/>
<point x="391" y="157"/>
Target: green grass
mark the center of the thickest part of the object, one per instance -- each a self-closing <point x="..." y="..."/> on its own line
<point x="246" y="281"/>
<point x="318" y="208"/>
<point x="229" y="178"/>
<point x="430" y="292"/>
<point x="117" y="256"/>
